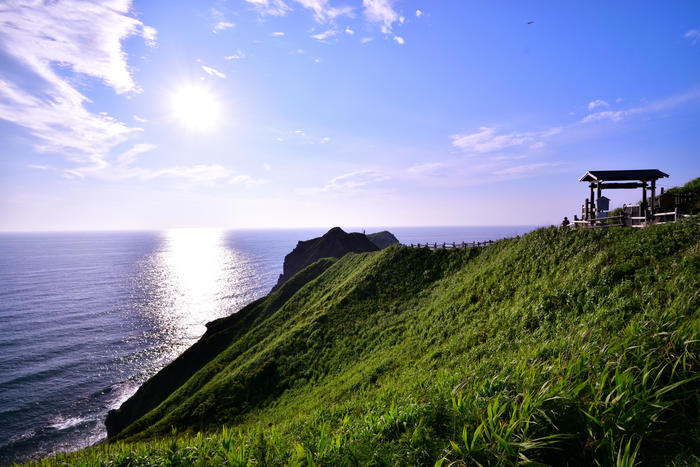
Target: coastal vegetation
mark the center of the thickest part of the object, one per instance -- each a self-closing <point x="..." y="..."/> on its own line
<point x="562" y="346"/>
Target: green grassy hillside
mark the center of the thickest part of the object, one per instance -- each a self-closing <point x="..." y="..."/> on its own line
<point x="561" y="347"/>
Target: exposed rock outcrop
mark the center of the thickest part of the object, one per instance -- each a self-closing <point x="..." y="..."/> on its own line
<point x="333" y="244"/>
<point x="383" y="239"/>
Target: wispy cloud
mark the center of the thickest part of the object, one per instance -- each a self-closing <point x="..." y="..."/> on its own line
<point x="353" y="181"/>
<point x="419" y="13"/>
<point x="140" y="119"/>
<point x="213" y="71"/>
<point x="222" y="25"/>
<point x="278" y="33"/>
<point x="489" y="140"/>
<point x="124" y="167"/>
<point x="130" y="156"/>
<point x="237" y="56"/>
<point x="468" y="172"/>
<point x="399" y="40"/>
<point x="84" y="37"/>
<point x="301" y="136"/>
<point x="526" y="169"/>
<point x="381" y="12"/>
<point x="349" y="31"/>
<point x="427" y="168"/>
<point x="325" y="35"/>
<point x="323" y="11"/>
<point x="656" y="106"/>
<point x="597" y="103"/>
<point x="197" y="173"/>
<point x="366" y="40"/>
<point x="270" y="7"/>
<point x="693" y="36"/>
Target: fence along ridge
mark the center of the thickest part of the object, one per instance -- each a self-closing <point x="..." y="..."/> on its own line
<point x="449" y="246"/>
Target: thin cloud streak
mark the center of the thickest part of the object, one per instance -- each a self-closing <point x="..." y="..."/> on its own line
<point x="85" y="37"/>
<point x="213" y="71"/>
<point x="221" y="26"/>
<point x="693" y="36"/>
<point x="270" y="7"/>
<point x="322" y="10"/>
<point x="597" y="103"/>
<point x="123" y="169"/>
<point x="465" y="172"/>
<point x="325" y="35"/>
<point x="656" y="106"/>
<point x="489" y="140"/>
<point x="349" y="182"/>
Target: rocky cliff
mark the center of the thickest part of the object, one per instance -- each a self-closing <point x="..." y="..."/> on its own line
<point x="383" y="239"/>
<point x="333" y="244"/>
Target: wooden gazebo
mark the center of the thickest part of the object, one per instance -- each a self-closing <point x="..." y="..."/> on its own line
<point x="600" y="180"/>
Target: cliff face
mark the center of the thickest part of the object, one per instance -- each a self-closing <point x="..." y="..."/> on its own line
<point x="383" y="239"/>
<point x="333" y="244"/>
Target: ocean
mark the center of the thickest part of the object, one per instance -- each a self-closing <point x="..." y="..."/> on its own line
<point x="85" y="318"/>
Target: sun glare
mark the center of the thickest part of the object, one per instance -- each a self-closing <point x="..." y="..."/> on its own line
<point x="195" y="107"/>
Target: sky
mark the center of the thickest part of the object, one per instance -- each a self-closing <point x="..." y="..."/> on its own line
<point x="313" y="113"/>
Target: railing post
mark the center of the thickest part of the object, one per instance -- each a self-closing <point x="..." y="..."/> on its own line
<point x="675" y="215"/>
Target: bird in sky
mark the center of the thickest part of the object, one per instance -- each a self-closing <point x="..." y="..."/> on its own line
<point x="530" y="22"/>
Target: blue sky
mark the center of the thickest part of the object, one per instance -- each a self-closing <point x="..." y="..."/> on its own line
<point x="297" y="113"/>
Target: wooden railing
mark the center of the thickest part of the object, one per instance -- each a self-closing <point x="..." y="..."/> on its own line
<point x="663" y="217"/>
<point x="628" y="220"/>
<point x="610" y="221"/>
<point x="449" y="246"/>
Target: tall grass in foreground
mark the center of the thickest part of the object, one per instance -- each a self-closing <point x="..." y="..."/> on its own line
<point x="563" y="348"/>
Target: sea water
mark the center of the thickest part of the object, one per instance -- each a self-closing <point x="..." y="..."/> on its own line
<point x="85" y="318"/>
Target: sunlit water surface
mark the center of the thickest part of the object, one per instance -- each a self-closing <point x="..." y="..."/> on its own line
<point x="86" y="317"/>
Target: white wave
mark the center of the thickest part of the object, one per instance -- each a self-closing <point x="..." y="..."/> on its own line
<point x="61" y="423"/>
<point x="122" y="392"/>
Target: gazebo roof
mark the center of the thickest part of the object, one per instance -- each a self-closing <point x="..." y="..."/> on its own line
<point x="622" y="175"/>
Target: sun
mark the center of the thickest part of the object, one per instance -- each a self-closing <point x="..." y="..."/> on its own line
<point x="195" y="107"/>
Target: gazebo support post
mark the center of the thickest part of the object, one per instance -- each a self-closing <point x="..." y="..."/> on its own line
<point x="644" y="200"/>
<point x="653" y="199"/>
<point x="592" y="205"/>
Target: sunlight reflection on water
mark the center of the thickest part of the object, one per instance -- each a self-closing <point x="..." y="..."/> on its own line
<point x="189" y="280"/>
<point x="197" y="265"/>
